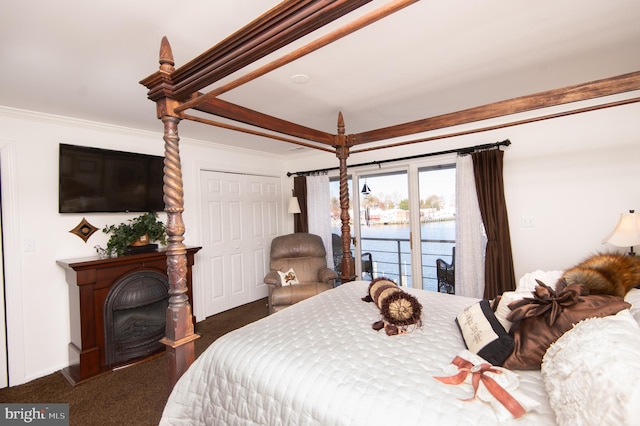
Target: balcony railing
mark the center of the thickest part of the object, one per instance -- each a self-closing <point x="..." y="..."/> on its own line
<point x="392" y="259"/>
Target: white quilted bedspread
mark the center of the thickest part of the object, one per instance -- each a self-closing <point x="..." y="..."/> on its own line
<point x="319" y="362"/>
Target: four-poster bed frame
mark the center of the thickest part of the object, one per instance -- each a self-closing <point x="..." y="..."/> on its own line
<point x="177" y="90"/>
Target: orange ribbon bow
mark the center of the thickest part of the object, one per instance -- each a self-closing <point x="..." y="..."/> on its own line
<point x="465" y="367"/>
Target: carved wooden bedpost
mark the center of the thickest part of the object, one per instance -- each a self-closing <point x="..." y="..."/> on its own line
<point x="179" y="333"/>
<point x="342" y="152"/>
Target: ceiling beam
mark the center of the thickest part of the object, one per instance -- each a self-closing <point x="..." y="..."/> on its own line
<point x="249" y="131"/>
<point x="357" y="24"/>
<point x="281" y="25"/>
<point x="225" y="109"/>
<point x="549" y="98"/>
<point x="502" y="125"/>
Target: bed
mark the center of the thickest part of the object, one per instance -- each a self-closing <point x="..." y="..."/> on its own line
<point x="176" y="93"/>
<point x="319" y="362"/>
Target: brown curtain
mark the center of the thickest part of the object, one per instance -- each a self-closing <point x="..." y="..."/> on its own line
<point x="300" y="221"/>
<point x="488" y="172"/>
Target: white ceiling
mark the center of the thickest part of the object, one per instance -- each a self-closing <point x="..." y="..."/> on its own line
<point x="84" y="59"/>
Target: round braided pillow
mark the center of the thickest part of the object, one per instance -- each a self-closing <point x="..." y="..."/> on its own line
<point x="382" y="289"/>
<point x="398" y="308"/>
<point x="401" y="308"/>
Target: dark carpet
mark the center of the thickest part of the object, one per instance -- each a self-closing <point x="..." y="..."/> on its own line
<point x="133" y="395"/>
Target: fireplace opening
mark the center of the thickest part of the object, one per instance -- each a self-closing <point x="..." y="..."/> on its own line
<point x="135" y="311"/>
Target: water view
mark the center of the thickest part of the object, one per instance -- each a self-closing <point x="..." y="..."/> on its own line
<point x="389" y="248"/>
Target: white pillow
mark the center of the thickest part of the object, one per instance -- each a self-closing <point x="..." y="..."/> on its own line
<point x="592" y="372"/>
<point x="502" y="311"/>
<point x="288" y="278"/>
<point x="633" y="297"/>
<point x="527" y="282"/>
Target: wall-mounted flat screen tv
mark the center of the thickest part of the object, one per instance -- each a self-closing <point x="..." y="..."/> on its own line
<point x="95" y="180"/>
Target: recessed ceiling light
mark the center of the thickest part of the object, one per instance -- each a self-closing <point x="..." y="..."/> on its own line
<point x="300" y="78"/>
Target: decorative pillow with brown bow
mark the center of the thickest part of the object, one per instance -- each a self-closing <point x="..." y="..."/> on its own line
<point x="540" y="320"/>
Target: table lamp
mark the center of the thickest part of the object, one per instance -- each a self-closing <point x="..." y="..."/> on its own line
<point x="626" y="233"/>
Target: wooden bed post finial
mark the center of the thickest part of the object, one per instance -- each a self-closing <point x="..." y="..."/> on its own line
<point x="161" y="85"/>
<point x="166" y="56"/>
<point x="342" y="152"/>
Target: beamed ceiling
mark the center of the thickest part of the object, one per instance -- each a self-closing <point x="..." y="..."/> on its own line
<point x="421" y="64"/>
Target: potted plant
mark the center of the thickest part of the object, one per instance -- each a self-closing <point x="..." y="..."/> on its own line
<point x="138" y="231"/>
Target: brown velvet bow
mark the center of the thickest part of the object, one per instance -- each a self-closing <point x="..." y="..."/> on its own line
<point x="546" y="301"/>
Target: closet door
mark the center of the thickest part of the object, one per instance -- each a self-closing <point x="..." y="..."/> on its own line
<point x="240" y="218"/>
<point x="265" y="214"/>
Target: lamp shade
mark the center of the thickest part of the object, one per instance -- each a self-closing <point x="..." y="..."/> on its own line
<point x="627" y="231"/>
<point x="294" y="206"/>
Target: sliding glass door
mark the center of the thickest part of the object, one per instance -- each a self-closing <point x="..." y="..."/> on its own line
<point x="404" y="221"/>
<point x="437" y="189"/>
<point x="384" y="231"/>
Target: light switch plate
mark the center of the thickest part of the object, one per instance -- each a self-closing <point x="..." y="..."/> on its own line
<point x="527" y="221"/>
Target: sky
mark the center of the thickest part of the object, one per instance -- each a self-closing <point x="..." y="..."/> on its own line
<point x="432" y="182"/>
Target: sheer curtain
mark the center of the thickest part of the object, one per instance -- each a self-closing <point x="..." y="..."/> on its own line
<point x="470" y="236"/>
<point x="319" y="211"/>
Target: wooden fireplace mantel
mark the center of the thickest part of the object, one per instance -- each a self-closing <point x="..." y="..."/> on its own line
<point x="90" y="280"/>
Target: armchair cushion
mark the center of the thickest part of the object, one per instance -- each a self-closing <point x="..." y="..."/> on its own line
<point x="288" y="295"/>
<point x="306" y="267"/>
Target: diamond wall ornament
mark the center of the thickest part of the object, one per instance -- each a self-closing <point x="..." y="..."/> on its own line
<point x="84" y="229"/>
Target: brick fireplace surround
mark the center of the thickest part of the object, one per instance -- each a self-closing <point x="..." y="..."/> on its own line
<point x="90" y="280"/>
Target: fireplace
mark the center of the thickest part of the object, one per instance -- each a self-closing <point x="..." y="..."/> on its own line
<point x="118" y="309"/>
<point x="134" y="316"/>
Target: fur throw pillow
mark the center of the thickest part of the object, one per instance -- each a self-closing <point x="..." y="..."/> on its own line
<point x="613" y="274"/>
<point x="398" y="308"/>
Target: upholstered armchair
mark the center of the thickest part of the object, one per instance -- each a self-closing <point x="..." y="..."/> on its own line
<point x="306" y="255"/>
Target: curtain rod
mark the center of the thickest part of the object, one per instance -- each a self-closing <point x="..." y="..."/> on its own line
<point x="459" y="151"/>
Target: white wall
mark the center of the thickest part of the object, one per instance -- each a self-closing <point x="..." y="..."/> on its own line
<point x="37" y="292"/>
<point x="573" y="176"/>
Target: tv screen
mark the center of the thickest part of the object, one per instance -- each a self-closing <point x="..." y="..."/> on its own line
<point x="95" y="180"/>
